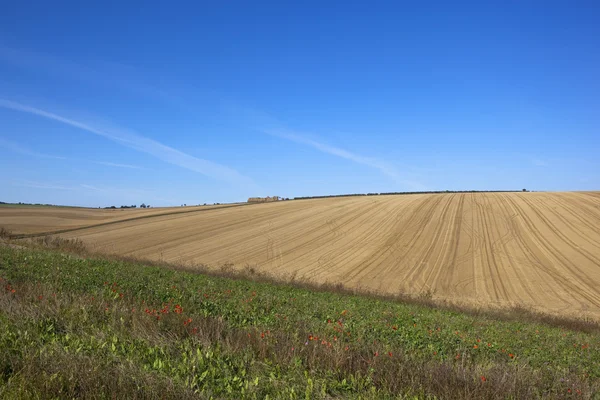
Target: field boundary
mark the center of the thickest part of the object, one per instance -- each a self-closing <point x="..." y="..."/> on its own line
<point x="512" y="313"/>
<point x="58" y="232"/>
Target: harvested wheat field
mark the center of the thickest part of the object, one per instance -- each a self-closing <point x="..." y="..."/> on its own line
<point x="537" y="249"/>
<point x="26" y="219"/>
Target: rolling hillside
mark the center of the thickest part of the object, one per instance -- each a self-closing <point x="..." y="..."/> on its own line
<point x="536" y="249"/>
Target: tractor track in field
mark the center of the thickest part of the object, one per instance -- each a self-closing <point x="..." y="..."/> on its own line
<point x="102" y="224"/>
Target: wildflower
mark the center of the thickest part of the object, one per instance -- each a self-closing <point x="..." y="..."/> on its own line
<point x="346" y="348"/>
<point x="344" y="312"/>
<point x="395" y="327"/>
<point x="390" y="354"/>
<point x="457" y="356"/>
<point x="511" y="355"/>
<point x="475" y="346"/>
<point x="483" y="379"/>
<point x="189" y="320"/>
<point x="13" y="291"/>
<point x="40" y="297"/>
<point x="262" y="335"/>
<point x="376" y="354"/>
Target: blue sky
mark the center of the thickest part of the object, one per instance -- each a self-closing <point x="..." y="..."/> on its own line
<point x="218" y="101"/>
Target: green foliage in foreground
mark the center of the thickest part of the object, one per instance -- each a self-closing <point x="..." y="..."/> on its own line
<point x="77" y="327"/>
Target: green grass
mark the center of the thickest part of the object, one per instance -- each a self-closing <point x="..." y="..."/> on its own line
<point x="100" y="328"/>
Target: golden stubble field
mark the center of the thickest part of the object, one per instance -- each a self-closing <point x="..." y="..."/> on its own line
<point x="537" y="249"/>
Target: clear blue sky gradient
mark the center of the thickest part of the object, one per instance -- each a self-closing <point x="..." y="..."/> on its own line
<point x="124" y="103"/>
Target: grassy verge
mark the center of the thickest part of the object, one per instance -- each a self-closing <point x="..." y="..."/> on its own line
<point x="102" y="328"/>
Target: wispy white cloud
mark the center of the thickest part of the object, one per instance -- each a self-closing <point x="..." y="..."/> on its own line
<point x="19" y="149"/>
<point x="373" y="162"/>
<point x="144" y="145"/>
<point x="117" y="165"/>
<point x="125" y="195"/>
<point x="91" y="187"/>
<point x="539" y="162"/>
<point x="43" y="185"/>
<point x="112" y="189"/>
<point x="267" y="124"/>
<point x="102" y="73"/>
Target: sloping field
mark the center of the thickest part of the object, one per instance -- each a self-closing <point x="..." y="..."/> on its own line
<point x="25" y="219"/>
<point x="538" y="249"/>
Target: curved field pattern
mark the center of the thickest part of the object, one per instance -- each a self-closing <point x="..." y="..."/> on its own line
<point x="34" y="220"/>
<point x="536" y="249"/>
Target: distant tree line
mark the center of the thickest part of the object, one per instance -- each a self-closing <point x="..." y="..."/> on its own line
<point x="33" y="204"/>
<point x="403" y="193"/>
<point x="132" y="206"/>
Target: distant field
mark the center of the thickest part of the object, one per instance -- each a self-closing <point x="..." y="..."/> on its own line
<point x="35" y="219"/>
<point x="537" y="249"/>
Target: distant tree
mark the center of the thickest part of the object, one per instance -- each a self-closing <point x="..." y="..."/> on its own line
<point x="524" y="190"/>
<point x="143" y="205"/>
